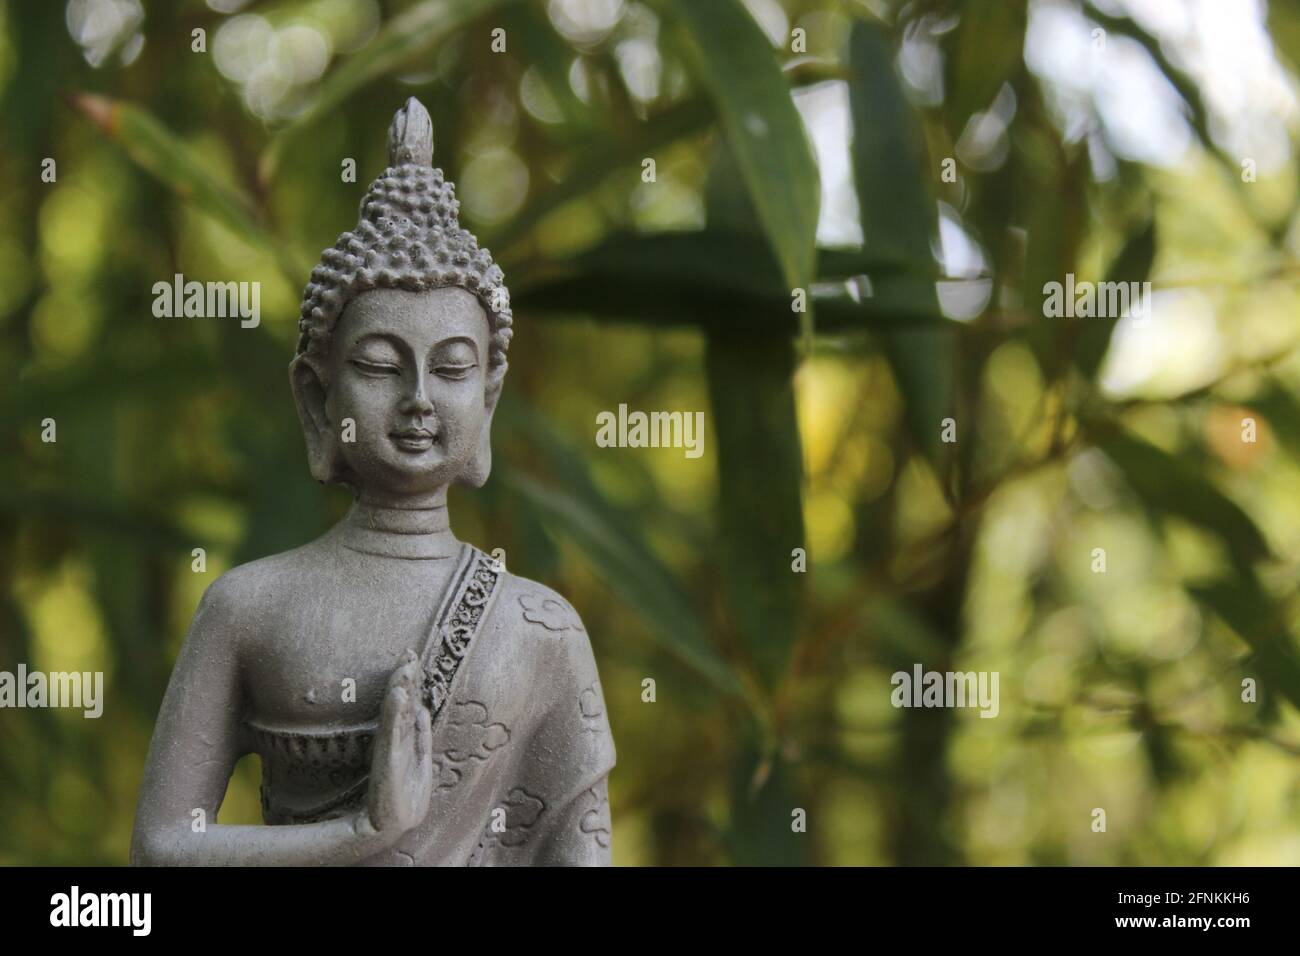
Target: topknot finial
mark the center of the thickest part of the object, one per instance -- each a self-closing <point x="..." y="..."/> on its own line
<point x="410" y="138"/>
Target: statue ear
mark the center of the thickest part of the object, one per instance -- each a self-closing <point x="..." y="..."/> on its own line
<point x="309" y="396"/>
<point x="479" y="467"/>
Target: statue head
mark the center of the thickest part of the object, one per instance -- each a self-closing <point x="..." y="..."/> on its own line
<point x="404" y="330"/>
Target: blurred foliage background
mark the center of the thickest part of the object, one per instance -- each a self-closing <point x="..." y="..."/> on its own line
<point x="798" y="144"/>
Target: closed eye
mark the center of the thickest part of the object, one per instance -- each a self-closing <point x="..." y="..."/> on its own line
<point x="375" y="368"/>
<point x="455" y="371"/>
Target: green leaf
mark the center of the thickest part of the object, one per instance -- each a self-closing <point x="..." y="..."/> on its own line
<point x="600" y="159"/>
<point x="899" y="634"/>
<point x="1198" y="114"/>
<point x="108" y="514"/>
<point x="190" y="369"/>
<point x="729" y="263"/>
<point x="889" y="167"/>
<point x="1051" y="198"/>
<point x="535" y="41"/>
<point x="1284" y="29"/>
<point x="1170" y="485"/>
<point x="922" y="362"/>
<point x="415" y="32"/>
<point x="1132" y="264"/>
<point x="1250" y="611"/>
<point x="1181" y="82"/>
<point x="612" y="542"/>
<point x="635" y="575"/>
<point x="161" y="153"/>
<point x="898" y="218"/>
<point x="714" y="279"/>
<point x="733" y="60"/>
<point x="751" y="387"/>
<point x="265" y="433"/>
<point x="729" y="208"/>
<point x="765" y="790"/>
<point x="986" y="50"/>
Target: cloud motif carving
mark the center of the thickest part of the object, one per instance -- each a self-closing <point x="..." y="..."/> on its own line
<point x="595" y="821"/>
<point x="471" y="735"/>
<point x="549" y="613"/>
<point x="592" y="707"/>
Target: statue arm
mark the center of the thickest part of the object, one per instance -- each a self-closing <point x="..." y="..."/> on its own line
<point x="578" y="834"/>
<point x="579" y="748"/>
<point x="197" y="740"/>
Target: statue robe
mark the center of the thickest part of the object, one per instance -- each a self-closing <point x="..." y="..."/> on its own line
<point x="522" y="745"/>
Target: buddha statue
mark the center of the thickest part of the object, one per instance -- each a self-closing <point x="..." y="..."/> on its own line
<point x="412" y="702"/>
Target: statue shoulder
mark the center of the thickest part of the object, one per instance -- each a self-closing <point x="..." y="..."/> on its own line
<point x="569" y="688"/>
<point x="543" y="621"/>
<point x="248" y="592"/>
<point x="535" y="612"/>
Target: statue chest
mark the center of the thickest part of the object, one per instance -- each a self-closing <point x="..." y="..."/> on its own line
<point x="316" y="758"/>
<point x="327" y="662"/>
<point x="334" y="679"/>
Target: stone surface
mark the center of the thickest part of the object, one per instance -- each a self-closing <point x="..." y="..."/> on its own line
<point x="412" y="701"/>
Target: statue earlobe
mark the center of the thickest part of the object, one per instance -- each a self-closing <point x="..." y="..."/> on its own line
<point x="309" y="397"/>
<point x="476" y="471"/>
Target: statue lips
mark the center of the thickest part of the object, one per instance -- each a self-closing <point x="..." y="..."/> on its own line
<point x="414" y="440"/>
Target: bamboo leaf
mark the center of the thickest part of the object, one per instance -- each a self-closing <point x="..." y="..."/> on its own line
<point x="75" y="509"/>
<point x="161" y="153"/>
<point x="598" y="160"/>
<point x="1132" y="264"/>
<point x="715" y="278"/>
<point x="898" y="219"/>
<point x="186" y="370"/>
<point x="1170" y="485"/>
<point x="1199" y="115"/>
<point x="986" y="51"/>
<point x="617" y="551"/>
<point x="634" y="575"/>
<point x="889" y="172"/>
<point x="1245" y="607"/>
<point x="751" y="388"/>
<point x="732" y="59"/>
<point x="415" y="32"/>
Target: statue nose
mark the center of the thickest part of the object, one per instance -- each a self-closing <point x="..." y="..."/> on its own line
<point x="416" y="404"/>
<point x="417" y="400"/>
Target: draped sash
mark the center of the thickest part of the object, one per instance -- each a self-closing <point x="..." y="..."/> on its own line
<point x="465" y="607"/>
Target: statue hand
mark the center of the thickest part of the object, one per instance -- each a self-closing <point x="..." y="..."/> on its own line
<point x="401" y="767"/>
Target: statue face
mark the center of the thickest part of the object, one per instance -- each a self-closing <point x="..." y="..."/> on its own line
<point x="410" y="368"/>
